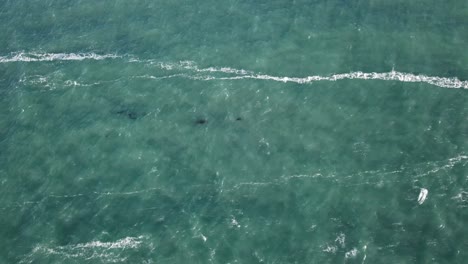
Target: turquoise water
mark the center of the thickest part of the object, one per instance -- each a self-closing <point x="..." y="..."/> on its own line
<point x="233" y="131"/>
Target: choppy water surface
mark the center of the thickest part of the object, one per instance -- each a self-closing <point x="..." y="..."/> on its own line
<point x="233" y="132"/>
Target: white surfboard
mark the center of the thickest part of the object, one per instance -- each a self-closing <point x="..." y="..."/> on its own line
<point x="422" y="195"/>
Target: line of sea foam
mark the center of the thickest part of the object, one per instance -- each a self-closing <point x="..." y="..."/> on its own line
<point x="385" y="76"/>
<point x="34" y="57"/>
<point x="239" y="74"/>
<point x="103" y="252"/>
<point x="128" y="242"/>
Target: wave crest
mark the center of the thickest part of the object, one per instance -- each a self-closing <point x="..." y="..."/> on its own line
<point x="190" y="70"/>
<point x="33" y="57"/>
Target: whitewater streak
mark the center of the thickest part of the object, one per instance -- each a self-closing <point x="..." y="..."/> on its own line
<point x="386" y="76"/>
<point x="204" y="74"/>
<point x="33" y="57"/>
<point x="240" y="74"/>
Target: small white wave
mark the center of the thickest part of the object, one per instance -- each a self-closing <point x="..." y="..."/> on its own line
<point x="352" y="253"/>
<point x="33" y="57"/>
<point x="192" y="66"/>
<point x="128" y="242"/>
<point x="385" y="76"/>
<point x="66" y="196"/>
<point x="329" y="249"/>
<point x="253" y="184"/>
<point x="234" y="222"/>
<point x="108" y="252"/>
<point x="228" y="73"/>
<point x="461" y="198"/>
<point x="341" y="239"/>
<point x="127" y="193"/>
<point x="299" y="176"/>
<point x="339" y="242"/>
<point x="240" y="74"/>
<point x="162" y="77"/>
<point x="450" y="163"/>
<point x="53" y="82"/>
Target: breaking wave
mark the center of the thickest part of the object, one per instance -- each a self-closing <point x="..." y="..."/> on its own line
<point x="108" y="252"/>
<point x="385" y="76"/>
<point x="203" y="74"/>
<point x="190" y="70"/>
<point x="33" y="57"/>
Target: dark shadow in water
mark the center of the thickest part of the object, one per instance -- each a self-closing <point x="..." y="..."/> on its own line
<point x="201" y="121"/>
<point x="130" y="113"/>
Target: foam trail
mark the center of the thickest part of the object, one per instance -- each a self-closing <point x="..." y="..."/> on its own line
<point x="240" y="74"/>
<point x="161" y="77"/>
<point x="34" y="57"/>
<point x="102" y="252"/>
<point x="128" y="242"/>
<point x="385" y="76"/>
<point x="192" y="66"/>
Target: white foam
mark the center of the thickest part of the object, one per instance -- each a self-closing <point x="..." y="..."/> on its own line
<point x="34" y="57"/>
<point x="341" y="239"/>
<point x="450" y="164"/>
<point x="213" y="73"/>
<point x="234" y="222"/>
<point x="162" y="77"/>
<point x="298" y="176"/>
<point x="254" y="184"/>
<point x="385" y="76"/>
<point x="192" y="66"/>
<point x="352" y="253"/>
<point x="461" y="198"/>
<point x="393" y="75"/>
<point x="329" y="249"/>
<point x="104" y="252"/>
<point x="128" y="242"/>
<point x="127" y="193"/>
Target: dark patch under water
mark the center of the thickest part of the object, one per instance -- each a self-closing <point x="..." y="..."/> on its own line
<point x="201" y="121"/>
<point x="130" y="114"/>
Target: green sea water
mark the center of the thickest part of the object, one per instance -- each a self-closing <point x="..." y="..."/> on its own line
<point x="233" y="131"/>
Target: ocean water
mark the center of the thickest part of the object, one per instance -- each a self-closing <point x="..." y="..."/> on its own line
<point x="233" y="131"/>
